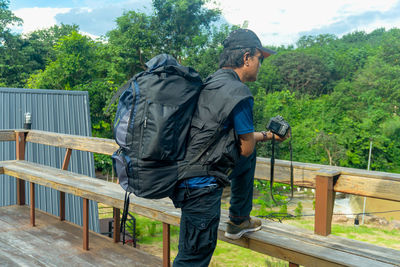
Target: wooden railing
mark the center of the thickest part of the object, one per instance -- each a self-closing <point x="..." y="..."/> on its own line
<point x="325" y="179"/>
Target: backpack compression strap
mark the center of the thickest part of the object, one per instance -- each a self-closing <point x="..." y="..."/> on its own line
<point x="125" y="215"/>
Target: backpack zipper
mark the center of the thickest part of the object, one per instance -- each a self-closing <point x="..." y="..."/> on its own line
<point x="147" y="103"/>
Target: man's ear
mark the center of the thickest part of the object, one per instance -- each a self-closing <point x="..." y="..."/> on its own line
<point x="246" y="57"/>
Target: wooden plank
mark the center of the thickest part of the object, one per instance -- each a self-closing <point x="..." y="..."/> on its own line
<point x="355" y="247"/>
<point x="327" y="172"/>
<point x="55" y="243"/>
<point x="351" y="181"/>
<point x="83" y="143"/>
<point x="7" y="135"/>
<point x="370" y="187"/>
<point x="90" y="188"/>
<point x="303" y="253"/>
<point x="304" y="174"/>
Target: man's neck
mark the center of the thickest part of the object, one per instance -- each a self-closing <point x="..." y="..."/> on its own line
<point x="239" y="72"/>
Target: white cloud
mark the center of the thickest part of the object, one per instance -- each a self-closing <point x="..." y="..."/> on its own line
<point x="275" y="22"/>
<point x="280" y="22"/>
<point x="94" y="17"/>
<point x="38" y="18"/>
<point x="92" y="36"/>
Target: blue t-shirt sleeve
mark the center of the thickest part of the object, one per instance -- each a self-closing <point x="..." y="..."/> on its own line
<point x="242" y="116"/>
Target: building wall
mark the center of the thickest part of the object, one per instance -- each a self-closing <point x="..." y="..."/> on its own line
<point x="54" y="111"/>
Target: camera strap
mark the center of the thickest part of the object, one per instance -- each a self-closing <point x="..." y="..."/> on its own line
<point x="291" y="164"/>
<point x="273" y="166"/>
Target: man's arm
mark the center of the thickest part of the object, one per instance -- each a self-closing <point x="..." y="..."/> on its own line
<point x="247" y="144"/>
<point x="243" y="124"/>
<point x="248" y="141"/>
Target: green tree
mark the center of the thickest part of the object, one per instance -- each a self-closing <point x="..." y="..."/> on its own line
<point x="23" y="55"/>
<point x="182" y="25"/>
<point x="41" y="43"/>
<point x="14" y="62"/>
<point x="7" y="18"/>
<point x="181" y="28"/>
<point x="318" y="40"/>
<point x="75" y="63"/>
<point x="327" y="148"/>
<point x="205" y="58"/>
<point x="301" y="72"/>
<point x="130" y="45"/>
<point x="11" y="60"/>
<point x="78" y="65"/>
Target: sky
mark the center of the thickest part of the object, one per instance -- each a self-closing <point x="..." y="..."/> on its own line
<point x="275" y="22"/>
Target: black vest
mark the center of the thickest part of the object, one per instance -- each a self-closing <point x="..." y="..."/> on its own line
<point x="212" y="149"/>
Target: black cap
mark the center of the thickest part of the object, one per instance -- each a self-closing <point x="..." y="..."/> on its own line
<point x="243" y="38"/>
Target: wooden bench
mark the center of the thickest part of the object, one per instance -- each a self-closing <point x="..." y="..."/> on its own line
<point x="282" y="241"/>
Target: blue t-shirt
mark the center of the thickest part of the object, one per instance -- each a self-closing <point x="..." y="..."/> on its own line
<point x="242" y="119"/>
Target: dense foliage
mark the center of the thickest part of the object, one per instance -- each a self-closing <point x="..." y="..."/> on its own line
<point x="339" y="94"/>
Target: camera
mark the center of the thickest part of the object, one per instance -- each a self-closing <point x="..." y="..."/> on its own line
<point x="278" y="126"/>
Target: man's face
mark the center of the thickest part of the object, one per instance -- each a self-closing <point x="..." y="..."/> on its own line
<point x="253" y="64"/>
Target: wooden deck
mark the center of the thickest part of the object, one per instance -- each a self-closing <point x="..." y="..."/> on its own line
<point x="277" y="240"/>
<point x="297" y="246"/>
<point x="55" y="243"/>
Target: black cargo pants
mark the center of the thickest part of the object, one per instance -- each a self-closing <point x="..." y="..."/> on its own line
<point x="201" y="210"/>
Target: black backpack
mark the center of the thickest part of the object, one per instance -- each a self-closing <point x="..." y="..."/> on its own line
<point x="151" y="126"/>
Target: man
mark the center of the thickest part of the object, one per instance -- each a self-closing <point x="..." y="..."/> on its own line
<point x="221" y="150"/>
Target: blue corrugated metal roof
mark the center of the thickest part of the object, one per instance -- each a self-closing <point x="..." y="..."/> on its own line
<point x="54" y="111"/>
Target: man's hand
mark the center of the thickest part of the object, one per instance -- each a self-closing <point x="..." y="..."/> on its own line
<point x="266" y="136"/>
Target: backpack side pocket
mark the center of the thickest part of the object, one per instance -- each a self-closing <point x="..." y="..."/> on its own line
<point x="122" y="165"/>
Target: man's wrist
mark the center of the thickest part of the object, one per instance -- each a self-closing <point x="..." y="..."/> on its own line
<point x="265" y="135"/>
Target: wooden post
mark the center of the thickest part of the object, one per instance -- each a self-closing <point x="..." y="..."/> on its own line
<point x="293" y="264"/>
<point x="62" y="194"/>
<point x="32" y="200"/>
<point x="85" y="223"/>
<point x="20" y="155"/>
<point x="324" y="200"/>
<point x="116" y="230"/>
<point x="67" y="157"/>
<point x="166" y="245"/>
<point x="62" y="206"/>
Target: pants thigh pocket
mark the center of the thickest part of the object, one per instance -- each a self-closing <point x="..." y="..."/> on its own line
<point x="201" y="234"/>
